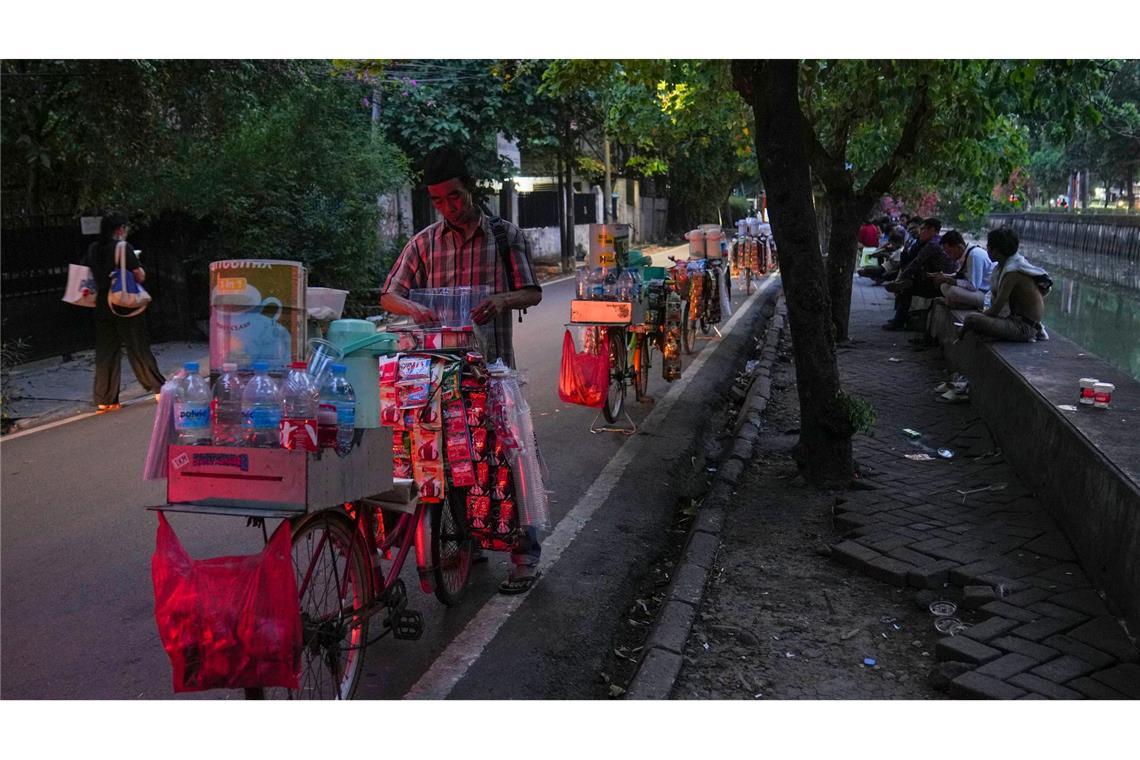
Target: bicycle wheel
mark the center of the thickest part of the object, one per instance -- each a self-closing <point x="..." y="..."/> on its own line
<point x="451" y="547"/>
<point x="641" y="368"/>
<point x="615" y="393"/>
<point x="334" y="582"/>
<point x="688" y="329"/>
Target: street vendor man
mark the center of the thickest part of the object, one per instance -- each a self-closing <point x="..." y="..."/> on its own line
<point x="467" y="248"/>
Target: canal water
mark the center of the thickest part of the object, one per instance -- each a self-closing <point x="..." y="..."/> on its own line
<point x="1095" y="302"/>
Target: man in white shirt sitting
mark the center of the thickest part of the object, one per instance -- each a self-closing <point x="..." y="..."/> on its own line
<point x="966" y="288"/>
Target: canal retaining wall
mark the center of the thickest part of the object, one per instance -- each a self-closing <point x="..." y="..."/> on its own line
<point x="1083" y="464"/>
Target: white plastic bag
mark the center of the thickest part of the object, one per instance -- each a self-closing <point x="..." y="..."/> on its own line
<point x="510" y="414"/>
<point x="80" y="289"/>
<point x="725" y="301"/>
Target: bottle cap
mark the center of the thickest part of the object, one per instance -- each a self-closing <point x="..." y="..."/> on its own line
<point x="229" y="367"/>
<point x="261" y="366"/>
<point x="299" y="365"/>
<point x="190" y="367"/>
<point x="339" y="368"/>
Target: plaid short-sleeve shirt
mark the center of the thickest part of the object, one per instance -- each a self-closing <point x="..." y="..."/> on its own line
<point x="438" y="257"/>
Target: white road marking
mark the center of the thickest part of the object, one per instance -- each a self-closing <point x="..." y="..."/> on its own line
<point x="69" y="420"/>
<point x="466" y="648"/>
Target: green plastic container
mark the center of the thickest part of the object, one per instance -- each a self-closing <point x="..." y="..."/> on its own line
<point x="653" y="273"/>
<point x="362" y="344"/>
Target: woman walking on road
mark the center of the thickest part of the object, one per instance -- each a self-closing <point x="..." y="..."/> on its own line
<point x="113" y="332"/>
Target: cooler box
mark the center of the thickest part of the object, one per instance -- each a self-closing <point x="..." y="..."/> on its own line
<point x="362" y="345"/>
<point x="609" y="246"/>
<point x="277" y="480"/>
<point x="257" y="313"/>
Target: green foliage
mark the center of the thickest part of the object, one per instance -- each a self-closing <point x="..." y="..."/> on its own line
<point x="859" y="413"/>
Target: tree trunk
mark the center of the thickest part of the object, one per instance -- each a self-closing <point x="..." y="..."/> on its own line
<point x="566" y="257"/>
<point x="569" y="168"/>
<point x="823" y="452"/>
<point x="847" y="213"/>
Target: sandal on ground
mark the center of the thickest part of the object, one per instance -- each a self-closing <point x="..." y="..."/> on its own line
<point x="519" y="581"/>
<point x="104" y="408"/>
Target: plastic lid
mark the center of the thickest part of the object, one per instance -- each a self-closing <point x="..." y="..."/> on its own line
<point x="261" y="366"/>
<point x="190" y="366"/>
<point x="299" y="365"/>
<point x="339" y="369"/>
<point x="229" y="367"/>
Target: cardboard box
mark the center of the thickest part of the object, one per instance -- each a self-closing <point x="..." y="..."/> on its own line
<point x="601" y="312"/>
<point x="257" y="313"/>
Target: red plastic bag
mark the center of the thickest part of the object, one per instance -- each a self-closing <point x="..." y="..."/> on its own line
<point x="228" y="622"/>
<point x="584" y="377"/>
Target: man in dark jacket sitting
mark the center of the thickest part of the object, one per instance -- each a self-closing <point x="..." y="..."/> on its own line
<point x="914" y="279"/>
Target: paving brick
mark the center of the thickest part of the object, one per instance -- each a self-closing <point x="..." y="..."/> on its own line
<point x="1084" y="600"/>
<point x="672" y="628"/>
<point x="1028" y="648"/>
<point x="990" y="628"/>
<point x="1044" y="609"/>
<point x="889" y="570"/>
<point x="689" y="584"/>
<point x="1052" y="544"/>
<point x="731" y="471"/>
<point x="1044" y="687"/>
<point x="1105" y="634"/>
<point x="886" y="543"/>
<point x="974" y="597"/>
<point x="934" y="575"/>
<point x="955" y="552"/>
<point x="918" y="559"/>
<point x="853" y="554"/>
<point x="1125" y="678"/>
<point x="1009" y="611"/>
<point x="1094" y="689"/>
<point x="1064" y="668"/>
<point x="1066" y="573"/>
<point x="972" y="685"/>
<point x="964" y="649"/>
<point x="931" y="543"/>
<point x="702" y="549"/>
<point x="847" y="521"/>
<point x="656" y="675"/>
<point x="1042" y="628"/>
<point x="966" y="574"/>
<point x="710" y="519"/>
<point x="1026" y="598"/>
<point x="1067" y="645"/>
<point x="1007" y="665"/>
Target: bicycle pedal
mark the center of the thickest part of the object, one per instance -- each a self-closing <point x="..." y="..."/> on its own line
<point x="409" y="625"/>
<point x="395" y="601"/>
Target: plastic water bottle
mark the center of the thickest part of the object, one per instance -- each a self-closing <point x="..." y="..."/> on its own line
<point x="226" y="407"/>
<point x="261" y="408"/>
<point x="624" y="286"/>
<point x="299" y="409"/>
<point x="336" y="416"/>
<point x="596" y="283"/>
<point x="192" y="408"/>
<point x="609" y="286"/>
<point x="583" y="275"/>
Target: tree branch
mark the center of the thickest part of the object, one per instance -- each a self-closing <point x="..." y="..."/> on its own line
<point x="886" y="174"/>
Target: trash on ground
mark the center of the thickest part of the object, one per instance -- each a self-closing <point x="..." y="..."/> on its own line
<point x="849" y="634"/>
<point x="919" y="457"/>
<point x="893" y="359"/>
<point x="946" y="453"/>
<point x="1066" y="407"/>
<point x="896" y="626"/>
<point x="951" y="626"/>
<point x="870" y="662"/>
<point x="790" y="655"/>
<point x="616" y="691"/>
<point x="943" y="608"/>
<point x="887" y="619"/>
<point x="993" y="487"/>
<point x="910" y="433"/>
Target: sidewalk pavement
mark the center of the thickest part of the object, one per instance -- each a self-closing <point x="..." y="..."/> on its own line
<point x="814" y="595"/>
<point x="52" y="389"/>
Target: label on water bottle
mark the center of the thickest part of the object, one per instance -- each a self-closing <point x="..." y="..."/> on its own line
<point x="191" y="416"/>
<point x="346" y="415"/>
<point x="297" y="434"/>
<point x="263" y="418"/>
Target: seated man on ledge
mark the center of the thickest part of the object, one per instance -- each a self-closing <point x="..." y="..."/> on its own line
<point x="967" y="288"/>
<point x="1019" y="286"/>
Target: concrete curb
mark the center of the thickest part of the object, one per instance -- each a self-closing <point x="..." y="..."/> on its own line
<point x="657" y="672"/>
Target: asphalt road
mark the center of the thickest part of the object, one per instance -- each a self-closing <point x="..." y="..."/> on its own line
<point x="77" y="603"/>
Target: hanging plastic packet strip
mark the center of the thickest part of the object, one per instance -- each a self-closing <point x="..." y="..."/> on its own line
<point x="514" y="428"/>
<point x="162" y="433"/>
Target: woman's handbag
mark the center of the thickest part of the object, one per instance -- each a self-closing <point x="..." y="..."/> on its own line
<point x="126" y="292"/>
<point x="81" y="287"/>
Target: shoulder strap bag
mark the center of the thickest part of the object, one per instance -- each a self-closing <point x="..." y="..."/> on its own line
<point x="125" y="292"/>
